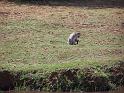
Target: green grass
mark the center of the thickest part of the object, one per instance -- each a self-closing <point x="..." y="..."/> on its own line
<point x="33" y="44"/>
<point x="40" y="41"/>
<point x="33" y="47"/>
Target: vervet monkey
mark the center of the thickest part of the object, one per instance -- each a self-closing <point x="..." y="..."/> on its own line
<point x="73" y="38"/>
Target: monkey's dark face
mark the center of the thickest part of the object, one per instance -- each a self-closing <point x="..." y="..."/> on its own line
<point x="78" y="34"/>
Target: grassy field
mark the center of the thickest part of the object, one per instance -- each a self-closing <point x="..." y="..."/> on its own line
<point x="34" y="38"/>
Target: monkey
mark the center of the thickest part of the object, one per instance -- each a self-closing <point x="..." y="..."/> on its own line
<point x="73" y="38"/>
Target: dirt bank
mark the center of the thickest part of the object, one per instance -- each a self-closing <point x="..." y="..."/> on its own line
<point x="102" y="78"/>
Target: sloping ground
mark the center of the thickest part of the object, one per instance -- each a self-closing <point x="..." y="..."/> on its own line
<point x="33" y="39"/>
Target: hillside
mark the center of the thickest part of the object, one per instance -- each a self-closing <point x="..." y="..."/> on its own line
<point x="33" y="38"/>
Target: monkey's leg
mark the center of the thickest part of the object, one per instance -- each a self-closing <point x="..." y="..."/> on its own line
<point x="71" y="42"/>
<point x="76" y="41"/>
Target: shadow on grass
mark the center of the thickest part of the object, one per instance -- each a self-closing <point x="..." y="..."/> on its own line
<point x="77" y="3"/>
